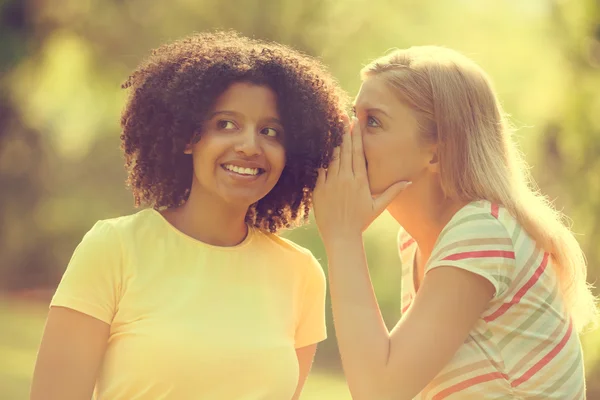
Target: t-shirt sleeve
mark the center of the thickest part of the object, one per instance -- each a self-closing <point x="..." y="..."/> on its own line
<point x="92" y="281"/>
<point x="311" y="327"/>
<point x="480" y="244"/>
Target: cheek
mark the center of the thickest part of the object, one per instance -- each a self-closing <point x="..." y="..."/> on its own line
<point x="377" y="152"/>
<point x="370" y="148"/>
<point x="277" y="158"/>
<point x="389" y="160"/>
<point x="203" y="162"/>
<point x="198" y="163"/>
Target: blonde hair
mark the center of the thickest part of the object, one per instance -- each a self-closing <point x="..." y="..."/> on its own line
<point x="457" y="109"/>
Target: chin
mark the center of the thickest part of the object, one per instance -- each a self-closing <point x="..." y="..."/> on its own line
<point x="380" y="189"/>
<point x="376" y="192"/>
<point x="241" y="201"/>
<point x="377" y="188"/>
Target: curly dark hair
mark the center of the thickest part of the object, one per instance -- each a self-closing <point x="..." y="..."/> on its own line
<point x="173" y="91"/>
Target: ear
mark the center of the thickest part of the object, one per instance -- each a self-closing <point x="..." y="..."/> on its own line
<point x="434" y="165"/>
<point x="189" y="146"/>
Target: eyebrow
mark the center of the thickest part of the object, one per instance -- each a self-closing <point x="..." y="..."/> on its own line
<point x="232" y="113"/>
<point x="236" y="114"/>
<point x="372" y="110"/>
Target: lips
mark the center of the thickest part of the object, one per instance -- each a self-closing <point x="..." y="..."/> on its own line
<point x="244" y="168"/>
<point x="252" y="171"/>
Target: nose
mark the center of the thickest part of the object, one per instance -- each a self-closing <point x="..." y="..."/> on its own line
<point x="248" y="143"/>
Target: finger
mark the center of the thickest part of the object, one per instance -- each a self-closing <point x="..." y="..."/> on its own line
<point x="384" y="200"/>
<point x="334" y="164"/>
<point x="346" y="151"/>
<point x="358" y="155"/>
<point x="346" y="120"/>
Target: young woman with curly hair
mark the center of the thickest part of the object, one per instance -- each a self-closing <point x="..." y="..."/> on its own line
<point x="196" y="296"/>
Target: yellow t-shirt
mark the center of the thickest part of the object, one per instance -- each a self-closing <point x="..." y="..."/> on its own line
<point x="193" y="321"/>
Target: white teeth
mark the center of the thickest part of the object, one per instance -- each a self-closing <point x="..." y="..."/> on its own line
<point x="241" y="170"/>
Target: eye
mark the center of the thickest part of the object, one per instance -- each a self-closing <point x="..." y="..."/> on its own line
<point x="372" y="122"/>
<point x="269" y="132"/>
<point x="225" y="125"/>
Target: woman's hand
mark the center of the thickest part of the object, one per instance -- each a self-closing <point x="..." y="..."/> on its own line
<point x="343" y="204"/>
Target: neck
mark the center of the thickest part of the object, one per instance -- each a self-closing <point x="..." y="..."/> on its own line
<point x="423" y="211"/>
<point x="210" y="220"/>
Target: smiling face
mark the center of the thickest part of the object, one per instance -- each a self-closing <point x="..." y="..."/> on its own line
<point x="240" y="155"/>
<point x="390" y="135"/>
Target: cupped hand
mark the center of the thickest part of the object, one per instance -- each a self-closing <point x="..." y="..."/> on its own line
<point x="342" y="201"/>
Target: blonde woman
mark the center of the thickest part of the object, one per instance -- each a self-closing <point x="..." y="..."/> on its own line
<point x="493" y="284"/>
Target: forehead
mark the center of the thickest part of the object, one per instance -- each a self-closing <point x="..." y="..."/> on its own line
<point x="374" y="93"/>
<point x="247" y="95"/>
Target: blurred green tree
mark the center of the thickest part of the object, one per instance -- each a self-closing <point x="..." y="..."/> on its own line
<point x="570" y="150"/>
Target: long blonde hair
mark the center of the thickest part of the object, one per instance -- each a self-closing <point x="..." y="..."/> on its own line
<point x="457" y="109"/>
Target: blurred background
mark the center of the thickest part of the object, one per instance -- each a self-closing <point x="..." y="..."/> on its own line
<point x="62" y="63"/>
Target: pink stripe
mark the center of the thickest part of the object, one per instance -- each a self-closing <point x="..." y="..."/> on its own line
<point x="468" y="383"/>
<point x="544" y="361"/>
<point x="521" y="291"/>
<point x="406" y="244"/>
<point x="405" y="308"/>
<point x="481" y="254"/>
<point x="495" y="210"/>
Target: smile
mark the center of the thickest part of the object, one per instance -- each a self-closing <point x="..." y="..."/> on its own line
<point x="242" y="170"/>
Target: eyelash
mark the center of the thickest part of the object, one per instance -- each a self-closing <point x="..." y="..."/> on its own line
<point x="369" y="118"/>
<point x="225" y="121"/>
<point x="373" y="119"/>
<point x="274" y="130"/>
<point x="220" y="124"/>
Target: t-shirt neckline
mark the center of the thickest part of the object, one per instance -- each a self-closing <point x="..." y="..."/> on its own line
<point x="249" y="236"/>
<point x="413" y="266"/>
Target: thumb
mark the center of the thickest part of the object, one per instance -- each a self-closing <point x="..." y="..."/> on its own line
<point x="382" y="201"/>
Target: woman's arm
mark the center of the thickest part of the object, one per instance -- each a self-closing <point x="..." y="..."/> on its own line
<point x="305" y="356"/>
<point x="69" y="357"/>
<point x="380" y="365"/>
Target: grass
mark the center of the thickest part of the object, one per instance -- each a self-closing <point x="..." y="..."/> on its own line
<point x="21" y="326"/>
<point x="22" y="322"/>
